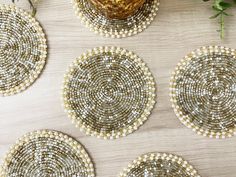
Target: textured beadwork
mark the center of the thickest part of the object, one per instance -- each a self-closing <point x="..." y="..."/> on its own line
<point x="203" y="91"/>
<point x="116" y="28"/>
<point x="47" y="153"/>
<point x="108" y="92"/>
<point x="114" y="9"/>
<point x="23" y="50"/>
<point x="159" y="164"/>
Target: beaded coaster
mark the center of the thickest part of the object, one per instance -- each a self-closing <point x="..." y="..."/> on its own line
<point x="108" y="92"/>
<point x="47" y="153"/>
<point x="115" y="28"/>
<point x="23" y="50"/>
<point x="203" y="91"/>
<point x="159" y="164"/>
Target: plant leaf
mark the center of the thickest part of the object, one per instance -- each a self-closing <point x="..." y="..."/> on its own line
<point x="217" y="4"/>
<point x="226" y="14"/>
<point x="216" y="15"/>
<point x="225" y="5"/>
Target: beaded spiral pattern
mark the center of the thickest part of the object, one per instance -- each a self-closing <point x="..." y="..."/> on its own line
<point x="114" y="9"/>
<point x="203" y="91"/>
<point x="159" y="164"/>
<point x="108" y="92"/>
<point x="47" y="153"/>
<point x="116" y="28"/>
<point x="23" y="50"/>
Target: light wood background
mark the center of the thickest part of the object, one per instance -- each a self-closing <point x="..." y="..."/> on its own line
<point x="180" y="27"/>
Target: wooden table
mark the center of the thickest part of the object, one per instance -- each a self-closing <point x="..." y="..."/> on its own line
<point x="180" y="27"/>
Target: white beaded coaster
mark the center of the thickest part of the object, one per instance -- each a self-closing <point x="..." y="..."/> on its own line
<point x="159" y="165"/>
<point x="23" y="50"/>
<point x="47" y="153"/>
<point x="203" y="91"/>
<point x="108" y="92"/>
<point x="113" y="27"/>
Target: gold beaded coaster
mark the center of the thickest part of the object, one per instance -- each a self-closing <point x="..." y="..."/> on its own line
<point x="23" y="50"/>
<point x="116" y="28"/>
<point x="203" y="91"/>
<point x="47" y="153"/>
<point x="108" y="92"/>
<point x="159" y="164"/>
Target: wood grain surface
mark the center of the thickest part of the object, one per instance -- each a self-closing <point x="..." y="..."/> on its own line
<point x="180" y="27"/>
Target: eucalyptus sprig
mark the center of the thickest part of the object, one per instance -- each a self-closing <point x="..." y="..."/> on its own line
<point x="221" y="7"/>
<point x="31" y="5"/>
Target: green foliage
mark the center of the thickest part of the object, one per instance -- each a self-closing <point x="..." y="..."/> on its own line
<point x="31" y="5"/>
<point x="221" y="7"/>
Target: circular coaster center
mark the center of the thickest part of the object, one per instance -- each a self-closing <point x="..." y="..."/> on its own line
<point x="108" y="93"/>
<point x="216" y="92"/>
<point x="8" y="54"/>
<point x="3" y="48"/>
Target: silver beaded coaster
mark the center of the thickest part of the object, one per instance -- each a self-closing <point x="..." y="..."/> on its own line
<point x="158" y="165"/>
<point x="108" y="92"/>
<point x="47" y="153"/>
<point x="23" y="50"/>
<point x="116" y="28"/>
<point x="203" y="91"/>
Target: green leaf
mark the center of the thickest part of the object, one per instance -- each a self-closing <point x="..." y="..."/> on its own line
<point x="226" y="14"/>
<point x="216" y="15"/>
<point x="221" y="7"/>
<point x="217" y="4"/>
<point x="216" y="9"/>
<point x="225" y="5"/>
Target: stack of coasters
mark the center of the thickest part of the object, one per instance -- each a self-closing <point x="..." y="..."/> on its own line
<point x="112" y="27"/>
